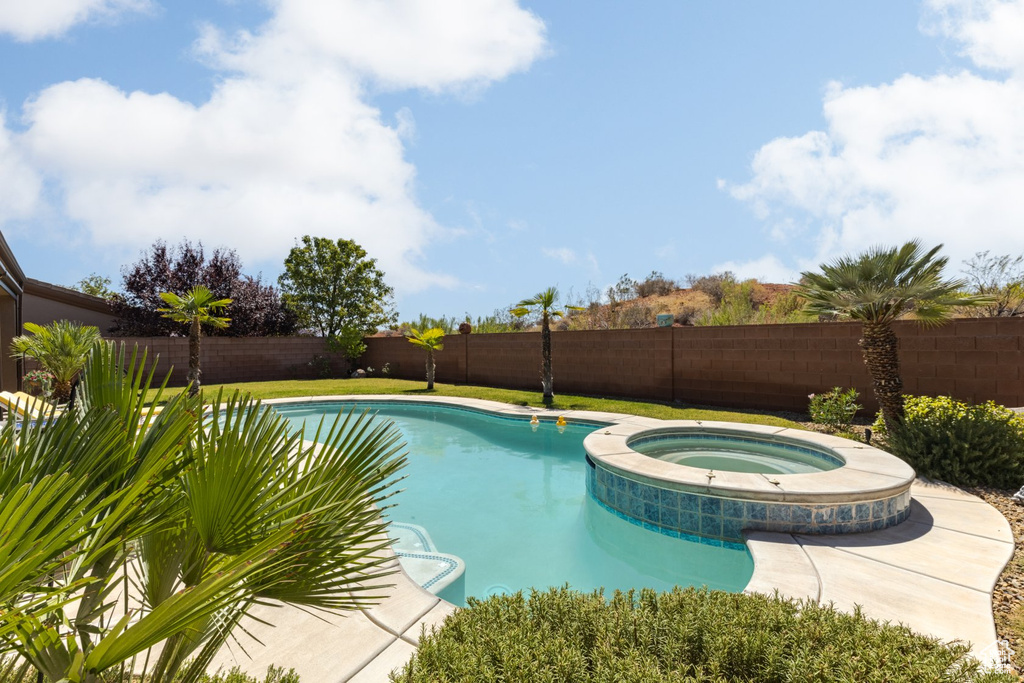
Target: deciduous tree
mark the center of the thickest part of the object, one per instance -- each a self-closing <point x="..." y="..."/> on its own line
<point x="334" y="286"/>
<point x="257" y="309"/>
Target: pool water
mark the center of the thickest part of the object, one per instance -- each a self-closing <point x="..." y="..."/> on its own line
<point x="511" y="501"/>
<point x="735" y="454"/>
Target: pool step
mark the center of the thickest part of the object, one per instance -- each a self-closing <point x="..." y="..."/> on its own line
<point x="440" y="573"/>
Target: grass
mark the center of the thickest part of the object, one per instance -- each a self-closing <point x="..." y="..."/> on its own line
<point x="400" y="387"/>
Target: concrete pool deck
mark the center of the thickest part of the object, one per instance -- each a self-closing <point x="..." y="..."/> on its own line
<point x="934" y="573"/>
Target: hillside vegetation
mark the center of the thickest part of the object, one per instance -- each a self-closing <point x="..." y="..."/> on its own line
<point x="723" y="299"/>
<point x="718" y="299"/>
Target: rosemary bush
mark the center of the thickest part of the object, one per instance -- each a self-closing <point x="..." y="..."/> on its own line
<point x="683" y="635"/>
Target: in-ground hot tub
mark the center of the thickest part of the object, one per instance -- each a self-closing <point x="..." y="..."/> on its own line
<point x="717" y="479"/>
<point x="733" y="452"/>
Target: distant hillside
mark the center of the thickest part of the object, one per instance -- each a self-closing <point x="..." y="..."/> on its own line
<point x="722" y="302"/>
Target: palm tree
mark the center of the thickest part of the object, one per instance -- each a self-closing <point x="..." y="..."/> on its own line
<point x="209" y="516"/>
<point x="61" y="348"/>
<point x="545" y="301"/>
<point x="878" y="287"/>
<point x="430" y="340"/>
<point x="195" y="309"/>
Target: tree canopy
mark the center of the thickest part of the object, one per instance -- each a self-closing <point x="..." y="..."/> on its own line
<point x="876" y="288"/>
<point x="335" y="288"/>
<point x="257" y="309"/>
<point x="94" y="284"/>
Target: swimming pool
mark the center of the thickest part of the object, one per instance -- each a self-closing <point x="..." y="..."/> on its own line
<point x="511" y="501"/>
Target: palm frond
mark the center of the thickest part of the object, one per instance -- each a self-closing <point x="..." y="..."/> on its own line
<point x="884" y="284"/>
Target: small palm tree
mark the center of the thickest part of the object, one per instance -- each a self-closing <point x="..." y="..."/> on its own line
<point x="429" y="340"/>
<point x="545" y="302"/>
<point x="210" y="514"/>
<point x="61" y="347"/>
<point x="195" y="309"/>
<point x="878" y="287"/>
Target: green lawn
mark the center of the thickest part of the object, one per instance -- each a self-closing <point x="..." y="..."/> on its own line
<point x="328" y="387"/>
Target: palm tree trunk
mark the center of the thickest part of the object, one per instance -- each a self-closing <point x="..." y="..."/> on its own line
<point x="546" y="380"/>
<point x="430" y="369"/>
<point x="61" y="391"/>
<point x="193" y="356"/>
<point x="881" y="354"/>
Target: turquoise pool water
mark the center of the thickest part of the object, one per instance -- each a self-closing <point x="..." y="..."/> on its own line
<point x="512" y="503"/>
<point x="735" y="454"/>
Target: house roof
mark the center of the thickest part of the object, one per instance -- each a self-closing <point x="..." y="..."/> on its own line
<point x="46" y="290"/>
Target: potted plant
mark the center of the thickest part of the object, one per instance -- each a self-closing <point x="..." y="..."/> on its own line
<point x="38" y="382"/>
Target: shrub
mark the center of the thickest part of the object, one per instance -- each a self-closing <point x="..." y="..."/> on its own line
<point x="684" y="635"/>
<point x="960" y="443"/>
<point x="320" y="365"/>
<point x="655" y="284"/>
<point x="275" y="674"/>
<point x="835" y="409"/>
<point x="712" y="285"/>
<point x="12" y="670"/>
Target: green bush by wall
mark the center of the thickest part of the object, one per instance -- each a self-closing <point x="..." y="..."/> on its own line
<point x="960" y="443"/>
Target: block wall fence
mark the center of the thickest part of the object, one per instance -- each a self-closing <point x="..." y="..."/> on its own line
<point x="237" y="359"/>
<point x="750" y="366"/>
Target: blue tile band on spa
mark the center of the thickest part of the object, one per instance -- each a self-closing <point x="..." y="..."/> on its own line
<point x="713" y="516"/>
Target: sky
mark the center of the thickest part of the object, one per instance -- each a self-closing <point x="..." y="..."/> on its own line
<point x="484" y="150"/>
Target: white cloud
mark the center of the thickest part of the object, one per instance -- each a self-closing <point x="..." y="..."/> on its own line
<point x="563" y="254"/>
<point x="768" y="268"/>
<point x="990" y="32"/>
<point x="429" y="44"/>
<point x="281" y="148"/>
<point x="939" y="158"/>
<point x="20" y="185"/>
<point x="28" y="20"/>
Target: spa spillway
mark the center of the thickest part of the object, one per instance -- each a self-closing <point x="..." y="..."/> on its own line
<point x="718" y="479"/>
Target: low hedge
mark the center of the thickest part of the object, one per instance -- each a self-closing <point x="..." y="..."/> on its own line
<point x="960" y="443"/>
<point x="684" y="635"/>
